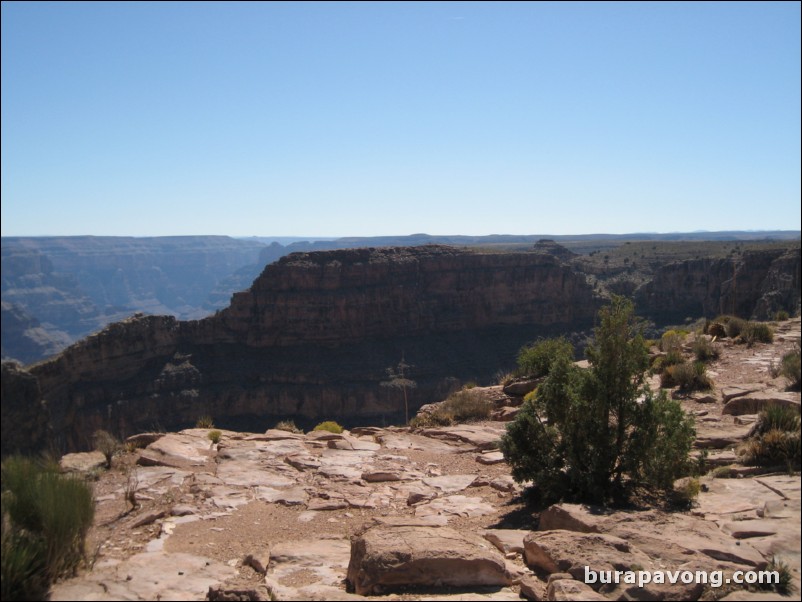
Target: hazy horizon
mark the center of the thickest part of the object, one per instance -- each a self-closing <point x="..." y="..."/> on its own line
<point x="153" y="119"/>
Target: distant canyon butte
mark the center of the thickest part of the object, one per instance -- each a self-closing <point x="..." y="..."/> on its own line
<point x="250" y="332"/>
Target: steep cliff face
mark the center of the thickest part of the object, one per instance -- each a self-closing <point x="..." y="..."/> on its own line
<point x="26" y="421"/>
<point x="780" y="289"/>
<point x="352" y="295"/>
<point x="312" y="339"/>
<point x="744" y="285"/>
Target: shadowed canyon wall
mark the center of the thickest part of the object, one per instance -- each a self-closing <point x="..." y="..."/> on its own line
<point x="314" y="335"/>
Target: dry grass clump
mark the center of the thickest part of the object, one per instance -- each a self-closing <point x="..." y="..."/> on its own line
<point x="463" y="406"/>
<point x="776" y="441"/>
<point x="705" y="350"/>
<point x="687" y="376"/>
<point x="289" y="426"/>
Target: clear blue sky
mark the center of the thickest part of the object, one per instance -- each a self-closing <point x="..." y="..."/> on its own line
<point x="338" y="119"/>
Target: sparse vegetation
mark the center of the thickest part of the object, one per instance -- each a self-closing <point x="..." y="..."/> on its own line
<point x="463" y="406"/>
<point x="214" y="436"/>
<point x="107" y="444"/>
<point x="687" y="376"/>
<point x="791" y="369"/>
<point x="776" y="441"/>
<point x="686" y="490"/>
<point x="705" y="350"/>
<point x="205" y="422"/>
<point x="781" y="315"/>
<point x="45" y="518"/>
<point x="397" y="379"/>
<point x="732" y="325"/>
<point x="586" y="437"/>
<point x="330" y="426"/>
<point x="289" y="426"/>
<point x="756" y="332"/>
<point x="535" y="361"/>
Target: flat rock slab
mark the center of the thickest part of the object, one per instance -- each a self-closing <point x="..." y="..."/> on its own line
<point x="456" y="505"/>
<point x="82" y="462"/>
<point x="480" y="437"/>
<point x="489" y="458"/>
<point x="728" y="393"/>
<point x="450" y="483"/>
<point x="755" y="402"/>
<point x="507" y="540"/>
<point x="384" y="558"/>
<point x="310" y="569"/>
<point x="148" y="576"/>
<point x="187" y="448"/>
<point x="719" y="434"/>
<point x="571" y="589"/>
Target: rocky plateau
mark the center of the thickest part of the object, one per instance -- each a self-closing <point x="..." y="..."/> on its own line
<point x="395" y="513"/>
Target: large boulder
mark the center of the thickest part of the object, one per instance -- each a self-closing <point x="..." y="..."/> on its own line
<point x="387" y="557"/>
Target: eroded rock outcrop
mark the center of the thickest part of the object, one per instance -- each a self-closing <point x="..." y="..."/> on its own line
<point x="312" y="339"/>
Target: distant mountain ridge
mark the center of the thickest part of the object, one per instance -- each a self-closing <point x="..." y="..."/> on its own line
<point x="57" y="289"/>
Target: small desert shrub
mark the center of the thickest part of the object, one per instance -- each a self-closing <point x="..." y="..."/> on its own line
<point x="785" y="582"/>
<point x="781" y="315"/>
<point x="757" y="332"/>
<point x="289" y="426"/>
<point x="783" y="418"/>
<point x="535" y="361"/>
<point x="463" y="406"/>
<point x="205" y="422"/>
<point x="46" y="516"/>
<point x="732" y="325"/>
<point x="686" y="490"/>
<point x="670" y="340"/>
<point x="504" y="378"/>
<point x="471" y="384"/>
<point x="704" y="350"/>
<point x="330" y="426"/>
<point x="214" y="436"/>
<point x="722" y="472"/>
<point x="773" y="448"/>
<point x="791" y="369"/>
<point x="107" y="444"/>
<point x="687" y="376"/>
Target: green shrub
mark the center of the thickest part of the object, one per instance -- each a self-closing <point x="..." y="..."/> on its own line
<point x="704" y="350"/>
<point x="289" y="426"/>
<point x="782" y="418"/>
<point x="781" y="315"/>
<point x="723" y="472"/>
<point x="535" y="360"/>
<point x="330" y="426"/>
<point x="687" y="376"/>
<point x="205" y="422"/>
<point x="791" y="369"/>
<point x="785" y="582"/>
<point x="586" y="436"/>
<point x="757" y="332"/>
<point x="46" y="516"/>
<point x="214" y="436"/>
<point x="107" y="444"/>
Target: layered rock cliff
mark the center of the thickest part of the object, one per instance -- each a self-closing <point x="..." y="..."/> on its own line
<point x="314" y="335"/>
<point x="312" y="339"/>
<point x="754" y="284"/>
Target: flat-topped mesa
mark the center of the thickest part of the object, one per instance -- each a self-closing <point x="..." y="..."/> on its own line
<point x="355" y="294"/>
